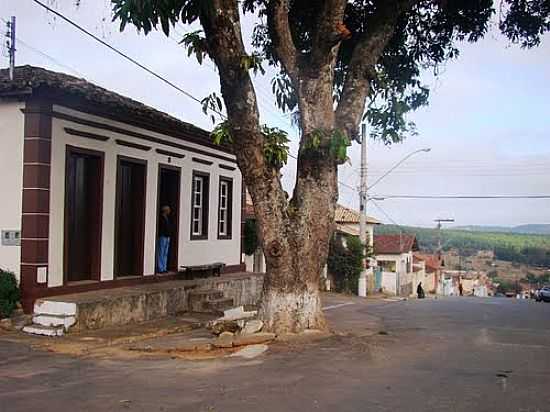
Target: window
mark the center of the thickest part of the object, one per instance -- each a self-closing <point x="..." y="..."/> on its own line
<point x="199" y="206"/>
<point x="225" y="203"/>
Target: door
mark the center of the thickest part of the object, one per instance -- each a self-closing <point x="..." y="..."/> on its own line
<point x="83" y="212"/>
<point x="130" y="217"/>
<point x="169" y="195"/>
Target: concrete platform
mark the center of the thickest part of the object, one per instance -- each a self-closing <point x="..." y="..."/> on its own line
<point x="133" y="304"/>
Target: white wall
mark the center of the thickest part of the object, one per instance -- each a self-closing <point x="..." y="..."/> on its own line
<point x="389" y="282"/>
<point x="191" y="252"/>
<point x="11" y="179"/>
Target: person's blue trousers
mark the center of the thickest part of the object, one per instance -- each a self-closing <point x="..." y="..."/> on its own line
<point x="162" y="253"/>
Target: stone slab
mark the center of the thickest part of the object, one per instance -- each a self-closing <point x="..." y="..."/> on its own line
<point x="254" y="339"/>
<point x="250" y="352"/>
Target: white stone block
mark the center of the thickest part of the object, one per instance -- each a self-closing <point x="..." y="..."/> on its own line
<point x="50" y="320"/>
<point x="43" y="330"/>
<point x="51" y="307"/>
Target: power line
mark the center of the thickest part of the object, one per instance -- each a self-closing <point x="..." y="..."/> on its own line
<point x="137" y="63"/>
<point x="382" y="197"/>
<point x="130" y="59"/>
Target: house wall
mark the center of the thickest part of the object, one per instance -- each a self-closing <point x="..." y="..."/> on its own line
<point x="403" y="272"/>
<point x="389" y="282"/>
<point x="11" y="179"/>
<point x="191" y="252"/>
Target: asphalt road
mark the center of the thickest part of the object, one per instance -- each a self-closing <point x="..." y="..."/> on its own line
<point x="452" y="354"/>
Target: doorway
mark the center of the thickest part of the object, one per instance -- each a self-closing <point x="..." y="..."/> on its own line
<point x="169" y="195"/>
<point x="83" y="214"/>
<point x="130" y="216"/>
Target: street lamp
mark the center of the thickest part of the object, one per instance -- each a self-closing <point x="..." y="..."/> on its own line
<point x="363" y="200"/>
<point x="395" y="166"/>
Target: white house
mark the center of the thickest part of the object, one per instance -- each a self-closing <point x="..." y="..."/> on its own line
<point x="394" y="257"/>
<point x="83" y="173"/>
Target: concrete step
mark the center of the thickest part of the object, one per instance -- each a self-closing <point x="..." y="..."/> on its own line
<point x="199" y="297"/>
<point x="35" y="329"/>
<point x="218" y="306"/>
<point x="54" y="320"/>
<point x="54" y="308"/>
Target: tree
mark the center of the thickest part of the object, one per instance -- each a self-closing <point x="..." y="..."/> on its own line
<point x="338" y="62"/>
<point x="345" y="262"/>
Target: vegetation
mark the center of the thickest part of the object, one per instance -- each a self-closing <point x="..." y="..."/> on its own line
<point x="506" y="286"/>
<point x="518" y="248"/>
<point x="250" y="243"/>
<point x="345" y="263"/>
<point x="337" y="63"/>
<point x="9" y="293"/>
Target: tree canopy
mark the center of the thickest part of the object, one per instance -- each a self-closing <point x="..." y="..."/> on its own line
<point x="425" y="34"/>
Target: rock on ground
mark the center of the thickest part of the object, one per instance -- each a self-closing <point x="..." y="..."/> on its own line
<point x="253" y="339"/>
<point x="252" y="326"/>
<point x="225" y="340"/>
<point x="250" y="352"/>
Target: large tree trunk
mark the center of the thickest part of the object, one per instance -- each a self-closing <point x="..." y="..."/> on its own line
<point x="291" y="300"/>
<point x="294" y="233"/>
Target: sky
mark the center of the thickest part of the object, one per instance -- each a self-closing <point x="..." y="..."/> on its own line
<point x="487" y="124"/>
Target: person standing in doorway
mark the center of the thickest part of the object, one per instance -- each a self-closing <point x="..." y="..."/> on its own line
<point x="165" y="233"/>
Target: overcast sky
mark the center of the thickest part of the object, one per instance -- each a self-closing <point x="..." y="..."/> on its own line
<point x="488" y="122"/>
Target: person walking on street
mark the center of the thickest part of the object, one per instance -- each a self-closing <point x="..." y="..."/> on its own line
<point x="165" y="233"/>
<point x="460" y="289"/>
<point x="420" y="291"/>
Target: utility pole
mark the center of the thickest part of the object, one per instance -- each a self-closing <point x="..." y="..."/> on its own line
<point x="439" y="247"/>
<point x="11" y="44"/>
<point x="363" y="211"/>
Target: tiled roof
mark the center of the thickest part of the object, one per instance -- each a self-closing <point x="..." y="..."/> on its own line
<point x="394" y="244"/>
<point x="346" y="215"/>
<point x="37" y="80"/>
<point x="433" y="262"/>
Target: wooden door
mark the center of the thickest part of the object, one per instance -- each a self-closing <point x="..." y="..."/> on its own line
<point x="83" y="213"/>
<point x="130" y="217"/>
<point x="169" y="195"/>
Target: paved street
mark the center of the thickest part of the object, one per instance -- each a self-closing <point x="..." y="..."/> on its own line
<point x="452" y="354"/>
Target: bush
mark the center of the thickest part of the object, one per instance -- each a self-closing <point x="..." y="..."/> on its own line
<point x="9" y="293"/>
<point x="345" y="263"/>
<point x="250" y="243"/>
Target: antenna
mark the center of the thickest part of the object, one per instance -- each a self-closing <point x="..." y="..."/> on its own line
<point x="11" y="44"/>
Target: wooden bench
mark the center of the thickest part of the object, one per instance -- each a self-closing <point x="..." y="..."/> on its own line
<point x="201" y="271"/>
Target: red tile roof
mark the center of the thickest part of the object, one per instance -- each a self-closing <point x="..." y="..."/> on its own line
<point x="394" y="244"/>
<point x="433" y="262"/>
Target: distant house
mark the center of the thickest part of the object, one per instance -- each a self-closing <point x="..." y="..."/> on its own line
<point x="83" y="173"/>
<point x="432" y="265"/>
<point x="347" y="223"/>
<point x="394" y="258"/>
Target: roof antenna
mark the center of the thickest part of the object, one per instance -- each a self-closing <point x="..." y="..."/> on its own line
<point x="11" y="44"/>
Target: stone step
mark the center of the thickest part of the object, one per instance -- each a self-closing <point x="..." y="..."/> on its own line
<point x="218" y="306"/>
<point x="55" y="308"/>
<point x="54" y="320"/>
<point x="35" y="329"/>
<point x="198" y="298"/>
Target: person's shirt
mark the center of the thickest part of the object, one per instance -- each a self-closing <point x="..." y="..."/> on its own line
<point x="165" y="226"/>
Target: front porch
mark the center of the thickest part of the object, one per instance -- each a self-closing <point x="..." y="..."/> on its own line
<point x="132" y="304"/>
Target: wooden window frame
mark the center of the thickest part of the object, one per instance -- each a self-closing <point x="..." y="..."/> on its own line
<point x="204" y="206"/>
<point x="228" y="181"/>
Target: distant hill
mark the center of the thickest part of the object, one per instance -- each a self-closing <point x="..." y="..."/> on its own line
<point x="532" y="249"/>
<point x="532" y="229"/>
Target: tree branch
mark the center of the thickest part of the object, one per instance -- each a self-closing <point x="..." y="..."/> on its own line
<point x="330" y="32"/>
<point x="222" y="29"/>
<point x="283" y="44"/>
<point x="367" y="52"/>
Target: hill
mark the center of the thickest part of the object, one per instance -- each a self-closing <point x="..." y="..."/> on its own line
<point x="534" y="229"/>
<point x="528" y="249"/>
